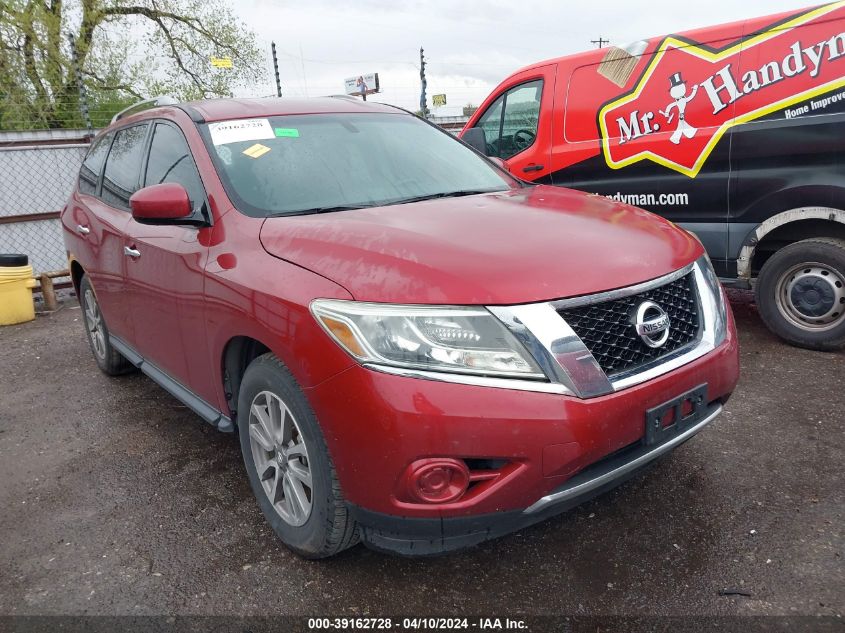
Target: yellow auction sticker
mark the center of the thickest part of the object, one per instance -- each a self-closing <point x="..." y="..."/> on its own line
<point x="256" y="151"/>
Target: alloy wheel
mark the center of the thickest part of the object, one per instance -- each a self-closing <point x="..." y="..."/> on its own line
<point x="94" y="323"/>
<point x="281" y="459"/>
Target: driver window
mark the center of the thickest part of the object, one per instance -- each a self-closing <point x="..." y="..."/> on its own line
<point x="510" y="124"/>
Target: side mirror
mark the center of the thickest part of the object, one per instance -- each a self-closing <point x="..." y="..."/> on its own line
<point x="475" y="138"/>
<point x="166" y="203"/>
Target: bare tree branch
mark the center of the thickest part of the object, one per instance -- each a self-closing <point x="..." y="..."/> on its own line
<point x="106" y="85"/>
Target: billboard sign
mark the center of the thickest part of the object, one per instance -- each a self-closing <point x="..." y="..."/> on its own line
<point x="438" y="100"/>
<point x="361" y="84"/>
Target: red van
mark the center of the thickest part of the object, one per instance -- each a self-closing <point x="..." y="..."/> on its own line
<point x="735" y="132"/>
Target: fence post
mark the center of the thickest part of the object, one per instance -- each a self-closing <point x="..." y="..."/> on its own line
<point x="48" y="292"/>
<point x="276" y="69"/>
<point x="83" y="96"/>
<point x="423" y="84"/>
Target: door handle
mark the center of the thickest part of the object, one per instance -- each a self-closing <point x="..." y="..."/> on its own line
<point x="82" y="229"/>
<point x="131" y="252"/>
<point x="528" y="168"/>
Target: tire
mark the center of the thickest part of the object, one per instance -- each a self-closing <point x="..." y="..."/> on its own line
<point x="800" y="293"/>
<point x="108" y="358"/>
<point x="278" y="451"/>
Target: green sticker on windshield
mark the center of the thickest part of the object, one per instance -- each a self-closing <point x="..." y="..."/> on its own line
<point x="286" y="131"/>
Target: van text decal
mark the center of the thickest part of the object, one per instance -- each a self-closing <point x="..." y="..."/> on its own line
<point x="690" y="95"/>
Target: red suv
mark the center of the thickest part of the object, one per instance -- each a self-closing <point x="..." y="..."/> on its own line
<point x="416" y="349"/>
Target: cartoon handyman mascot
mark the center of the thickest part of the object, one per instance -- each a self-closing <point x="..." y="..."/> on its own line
<point x="678" y="91"/>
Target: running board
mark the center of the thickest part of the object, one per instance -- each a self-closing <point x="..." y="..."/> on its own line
<point x="187" y="397"/>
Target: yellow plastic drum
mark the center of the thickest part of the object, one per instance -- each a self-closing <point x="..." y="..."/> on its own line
<point x="16" y="284"/>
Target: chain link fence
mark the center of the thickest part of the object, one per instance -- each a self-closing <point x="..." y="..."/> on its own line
<point x="45" y="131"/>
<point x="37" y="173"/>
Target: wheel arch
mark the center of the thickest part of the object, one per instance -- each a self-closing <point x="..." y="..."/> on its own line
<point x="784" y="228"/>
<point x="76" y="272"/>
<point x="238" y="353"/>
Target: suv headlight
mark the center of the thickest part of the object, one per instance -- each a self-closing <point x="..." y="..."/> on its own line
<point x="713" y="293"/>
<point x="434" y="338"/>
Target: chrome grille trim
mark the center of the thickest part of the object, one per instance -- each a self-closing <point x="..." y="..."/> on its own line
<point x="606" y="326"/>
<point x="566" y="359"/>
<point x="560" y="353"/>
<point x="705" y="344"/>
<point x="619" y="293"/>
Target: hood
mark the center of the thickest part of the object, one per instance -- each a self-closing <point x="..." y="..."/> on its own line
<point x="520" y="246"/>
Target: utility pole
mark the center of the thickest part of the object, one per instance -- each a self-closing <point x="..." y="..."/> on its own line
<point x="423" y="85"/>
<point x="276" y="70"/>
<point x="83" y="95"/>
<point x="600" y="42"/>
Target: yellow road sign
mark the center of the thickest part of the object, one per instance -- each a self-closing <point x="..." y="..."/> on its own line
<point x="222" y="62"/>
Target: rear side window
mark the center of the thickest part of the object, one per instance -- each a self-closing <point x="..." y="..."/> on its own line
<point x="89" y="173"/>
<point x="510" y="124"/>
<point x="171" y="161"/>
<point x="123" y="166"/>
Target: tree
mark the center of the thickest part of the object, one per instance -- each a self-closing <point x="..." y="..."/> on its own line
<point x="126" y="50"/>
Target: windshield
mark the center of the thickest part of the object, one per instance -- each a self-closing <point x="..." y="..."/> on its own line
<point x="328" y="162"/>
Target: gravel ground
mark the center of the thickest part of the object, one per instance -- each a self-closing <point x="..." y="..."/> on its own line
<point x="117" y="500"/>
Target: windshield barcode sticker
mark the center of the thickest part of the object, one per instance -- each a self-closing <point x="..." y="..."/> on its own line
<point x="225" y="132"/>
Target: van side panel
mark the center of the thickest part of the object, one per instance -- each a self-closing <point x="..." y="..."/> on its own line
<point x="793" y="156"/>
<point x="715" y="129"/>
<point x="669" y="109"/>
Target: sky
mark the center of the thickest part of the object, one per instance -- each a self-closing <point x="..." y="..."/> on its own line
<point x="469" y="46"/>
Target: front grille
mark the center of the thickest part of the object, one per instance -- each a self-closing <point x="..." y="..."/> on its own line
<point x="608" y="332"/>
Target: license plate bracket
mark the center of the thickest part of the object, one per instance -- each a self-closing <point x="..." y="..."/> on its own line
<point x="675" y="416"/>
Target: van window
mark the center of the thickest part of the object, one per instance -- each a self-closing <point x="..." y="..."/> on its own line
<point x="510" y="123"/>
<point x="89" y="173"/>
<point x="171" y="161"/>
<point x="123" y="166"/>
<point x="491" y="123"/>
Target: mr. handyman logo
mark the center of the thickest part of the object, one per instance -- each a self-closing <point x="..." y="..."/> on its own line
<point x="689" y="95"/>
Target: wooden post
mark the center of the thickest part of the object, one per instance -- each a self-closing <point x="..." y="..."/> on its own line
<point x="48" y="293"/>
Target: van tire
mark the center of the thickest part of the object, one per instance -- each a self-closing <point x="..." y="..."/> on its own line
<point x="327" y="528"/>
<point x="783" y="300"/>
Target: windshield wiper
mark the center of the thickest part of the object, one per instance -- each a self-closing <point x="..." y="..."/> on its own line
<point x="344" y="207"/>
<point x="349" y="207"/>
<point x="445" y="194"/>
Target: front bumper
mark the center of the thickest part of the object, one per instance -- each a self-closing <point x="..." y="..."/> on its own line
<point x="556" y="446"/>
<point x="421" y="537"/>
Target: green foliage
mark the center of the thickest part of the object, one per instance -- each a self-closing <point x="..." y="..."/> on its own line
<point x="126" y="50"/>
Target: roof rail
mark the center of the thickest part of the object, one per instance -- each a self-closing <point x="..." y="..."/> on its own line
<point x="155" y="101"/>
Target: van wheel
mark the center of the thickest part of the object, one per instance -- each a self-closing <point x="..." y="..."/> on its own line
<point x="108" y="358"/>
<point x="288" y="463"/>
<point x="800" y="293"/>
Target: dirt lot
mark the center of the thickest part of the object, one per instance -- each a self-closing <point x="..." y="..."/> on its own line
<point x="117" y="500"/>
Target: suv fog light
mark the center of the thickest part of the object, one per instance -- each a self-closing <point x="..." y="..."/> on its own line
<point x="438" y="480"/>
